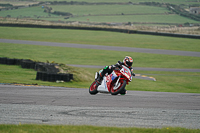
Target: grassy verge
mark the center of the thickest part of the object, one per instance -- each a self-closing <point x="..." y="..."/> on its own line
<point x="88" y="129"/>
<point x="166" y="81"/>
<point x="186" y="82"/>
<point x="18" y="75"/>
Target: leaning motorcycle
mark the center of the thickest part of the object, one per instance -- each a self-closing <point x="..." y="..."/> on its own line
<point x="113" y="83"/>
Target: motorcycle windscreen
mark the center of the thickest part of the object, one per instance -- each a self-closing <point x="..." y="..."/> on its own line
<point x="113" y="75"/>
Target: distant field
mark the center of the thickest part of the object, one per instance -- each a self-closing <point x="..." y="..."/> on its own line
<point x="136" y="1"/>
<point x="32" y="12"/>
<point x="116" y="13"/>
<point x="108" y="9"/>
<point x="136" y="18"/>
<point x="35" y="12"/>
<point x="18" y="3"/>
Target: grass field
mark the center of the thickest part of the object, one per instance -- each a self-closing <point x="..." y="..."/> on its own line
<point x="32" y="12"/>
<point x="136" y="18"/>
<point x="79" y="10"/>
<point x="108" y="9"/>
<point x="88" y="129"/>
<point x="100" y="38"/>
<point x="136" y="1"/>
<point x="18" y="3"/>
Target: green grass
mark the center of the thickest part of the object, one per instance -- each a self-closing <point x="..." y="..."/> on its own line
<point x="108" y="9"/>
<point x="17" y="75"/>
<point x="32" y="12"/>
<point x="88" y="129"/>
<point x="185" y="82"/>
<point x="119" y="9"/>
<point x="94" y="57"/>
<point x="168" y="82"/>
<point x="136" y="18"/>
<point x="136" y="1"/>
<point x="100" y="38"/>
<point x="17" y="3"/>
<point x="35" y="12"/>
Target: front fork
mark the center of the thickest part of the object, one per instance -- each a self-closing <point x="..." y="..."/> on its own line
<point x="118" y="80"/>
<point x="117" y="83"/>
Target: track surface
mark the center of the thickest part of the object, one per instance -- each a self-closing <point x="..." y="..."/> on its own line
<point x="57" y="105"/>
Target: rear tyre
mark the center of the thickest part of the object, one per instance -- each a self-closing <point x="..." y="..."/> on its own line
<point x="120" y="88"/>
<point x="93" y="88"/>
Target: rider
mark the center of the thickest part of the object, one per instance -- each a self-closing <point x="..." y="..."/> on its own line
<point x="128" y="61"/>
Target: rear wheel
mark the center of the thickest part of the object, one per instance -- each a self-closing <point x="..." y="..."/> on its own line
<point x="93" y="88"/>
<point x="118" y="88"/>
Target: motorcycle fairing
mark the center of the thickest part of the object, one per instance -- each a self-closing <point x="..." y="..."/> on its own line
<point x="126" y="71"/>
<point x="103" y="86"/>
<point x="106" y="82"/>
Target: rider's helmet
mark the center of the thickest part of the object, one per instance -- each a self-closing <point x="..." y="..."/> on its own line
<point x="128" y="61"/>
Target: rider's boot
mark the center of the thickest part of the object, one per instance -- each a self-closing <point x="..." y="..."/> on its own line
<point x="99" y="79"/>
<point x="123" y="92"/>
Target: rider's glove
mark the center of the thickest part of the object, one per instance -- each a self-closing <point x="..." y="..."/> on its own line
<point x="119" y="64"/>
<point x="133" y="74"/>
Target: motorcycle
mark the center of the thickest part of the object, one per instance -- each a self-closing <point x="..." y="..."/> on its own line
<point x="113" y="83"/>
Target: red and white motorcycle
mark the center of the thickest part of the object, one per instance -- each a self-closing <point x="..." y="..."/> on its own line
<point x="113" y="83"/>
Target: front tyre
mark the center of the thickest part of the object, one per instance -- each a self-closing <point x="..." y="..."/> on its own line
<point x="93" y="88"/>
<point x="121" y="85"/>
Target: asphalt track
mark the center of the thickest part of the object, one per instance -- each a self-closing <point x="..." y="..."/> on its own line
<point x="57" y="105"/>
<point x="72" y="106"/>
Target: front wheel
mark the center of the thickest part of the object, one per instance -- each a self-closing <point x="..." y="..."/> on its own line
<point x="93" y="88"/>
<point x="121" y="85"/>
